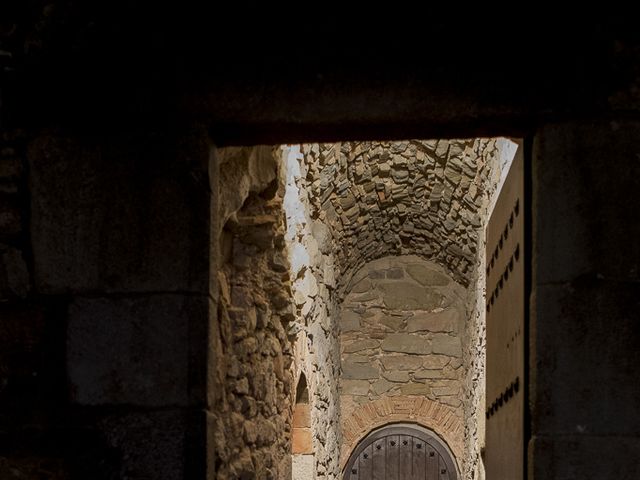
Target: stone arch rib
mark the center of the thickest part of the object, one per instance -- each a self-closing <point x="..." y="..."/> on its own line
<point x="432" y="415"/>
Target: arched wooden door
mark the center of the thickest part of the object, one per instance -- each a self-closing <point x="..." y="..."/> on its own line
<point x="401" y="452"/>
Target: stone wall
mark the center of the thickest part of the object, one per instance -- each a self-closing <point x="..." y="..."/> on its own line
<point x="585" y="308"/>
<point x="28" y="349"/>
<point x="14" y="215"/>
<point x="222" y="275"/>
<point x="315" y="328"/>
<point x="58" y="71"/>
<point x="104" y="278"/>
<point x="401" y="327"/>
<point x="252" y="402"/>
<point x="145" y="294"/>
<point x="369" y="200"/>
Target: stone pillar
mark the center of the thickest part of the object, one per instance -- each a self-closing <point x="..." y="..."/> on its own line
<point x="120" y="232"/>
<point x="585" y="332"/>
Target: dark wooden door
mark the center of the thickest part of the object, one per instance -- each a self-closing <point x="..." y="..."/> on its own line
<point x="401" y="452"/>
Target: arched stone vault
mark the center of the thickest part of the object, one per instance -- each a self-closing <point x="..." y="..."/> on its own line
<point x="350" y="203"/>
<point x="399" y="198"/>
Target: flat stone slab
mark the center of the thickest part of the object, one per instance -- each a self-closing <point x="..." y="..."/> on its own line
<point x="409" y="296"/>
<point x="415" y="389"/>
<point x="357" y="358"/>
<point x="447" y="345"/>
<point x="427" y="277"/>
<point x="445" y="321"/>
<point x="362" y="286"/>
<point x="382" y="386"/>
<point x="354" y="387"/>
<point x="367" y="296"/>
<point x="401" y="362"/>
<point x="360" y="345"/>
<point x="424" y="374"/>
<point x="394" y="323"/>
<point x="398" y="377"/>
<point x="435" y="362"/>
<point x="456" y="363"/>
<point x="450" y="400"/>
<point x="349" y="321"/>
<point x="446" y="391"/>
<point x="406" y="343"/>
<point x="358" y="371"/>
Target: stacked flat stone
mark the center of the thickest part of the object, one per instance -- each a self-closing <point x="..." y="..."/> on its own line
<point x="400" y="198"/>
<point x="401" y="329"/>
<point x="316" y="348"/>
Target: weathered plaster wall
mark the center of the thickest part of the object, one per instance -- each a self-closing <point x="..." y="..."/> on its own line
<point x="401" y="328"/>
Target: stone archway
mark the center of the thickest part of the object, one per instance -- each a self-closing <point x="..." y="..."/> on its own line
<point x="401" y="450"/>
<point x="397" y="208"/>
<point x="419" y="410"/>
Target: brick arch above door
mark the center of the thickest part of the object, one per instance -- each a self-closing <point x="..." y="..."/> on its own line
<point x="433" y="415"/>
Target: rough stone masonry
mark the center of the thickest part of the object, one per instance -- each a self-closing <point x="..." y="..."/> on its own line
<point x="385" y="236"/>
<point x="401" y="337"/>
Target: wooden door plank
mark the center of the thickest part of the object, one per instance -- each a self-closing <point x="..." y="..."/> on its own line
<point x="419" y="459"/>
<point x="366" y="464"/>
<point x="353" y="473"/>
<point x="392" y="463"/>
<point x="379" y="458"/>
<point x="405" y="462"/>
<point x="432" y="463"/>
<point x="443" y="470"/>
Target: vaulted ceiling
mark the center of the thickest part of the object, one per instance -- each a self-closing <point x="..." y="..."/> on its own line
<point x="398" y="198"/>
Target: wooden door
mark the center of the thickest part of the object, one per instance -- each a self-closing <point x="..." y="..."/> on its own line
<point x="505" y="314"/>
<point x="401" y="452"/>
